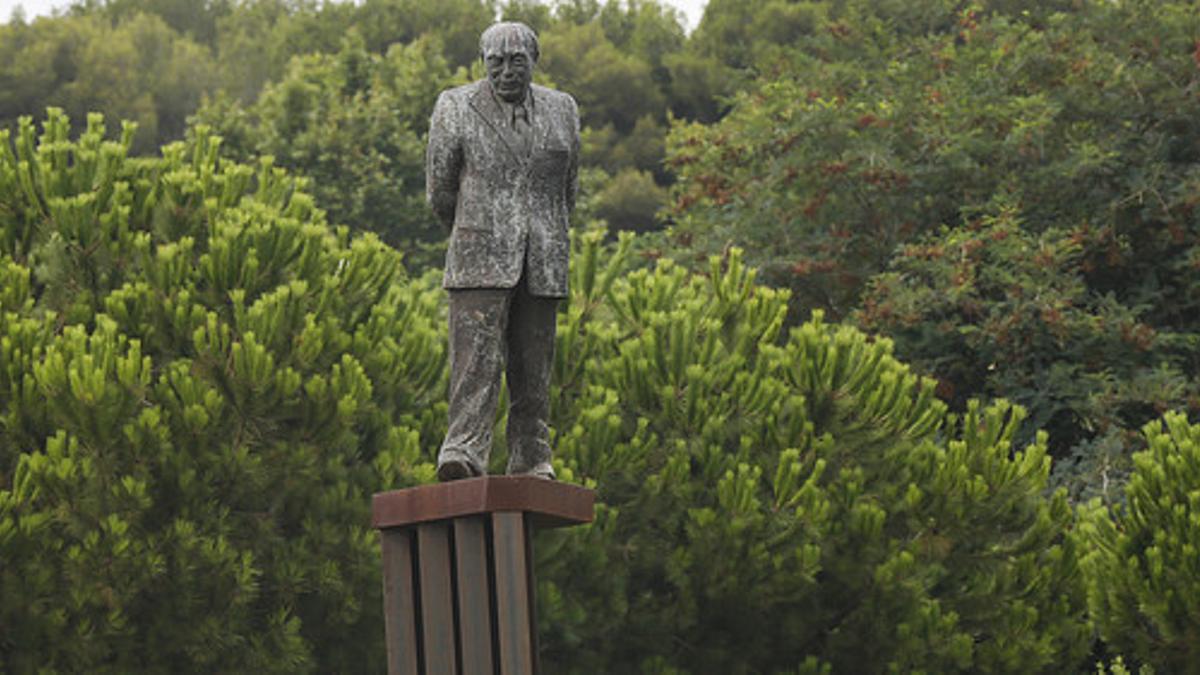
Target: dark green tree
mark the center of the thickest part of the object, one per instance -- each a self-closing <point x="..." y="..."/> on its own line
<point x="630" y="200"/>
<point x="890" y="137"/>
<point x="612" y="86"/>
<point x="258" y="38"/>
<point x="533" y="13"/>
<point x="647" y="29"/>
<point x="355" y="124"/>
<point x="456" y="23"/>
<point x="994" y="309"/>
<point x="740" y="33"/>
<point x="138" y="69"/>
<point x="196" y="19"/>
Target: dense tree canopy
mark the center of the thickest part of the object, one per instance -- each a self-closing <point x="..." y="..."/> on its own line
<point x="139" y="69"/>
<point x="355" y="124"/>
<point x="769" y="497"/>
<point x="218" y="337"/>
<point x="878" y="154"/>
<point x="153" y="61"/>
<point x="203" y="383"/>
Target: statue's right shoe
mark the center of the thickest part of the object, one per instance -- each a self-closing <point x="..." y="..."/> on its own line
<point x="454" y="469"/>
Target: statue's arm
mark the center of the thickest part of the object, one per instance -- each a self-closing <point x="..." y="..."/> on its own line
<point x="443" y="160"/>
<point x="573" y="165"/>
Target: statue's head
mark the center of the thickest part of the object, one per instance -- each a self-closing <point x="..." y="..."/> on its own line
<point x="509" y="51"/>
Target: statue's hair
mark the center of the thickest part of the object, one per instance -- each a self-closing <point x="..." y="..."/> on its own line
<point x="498" y="34"/>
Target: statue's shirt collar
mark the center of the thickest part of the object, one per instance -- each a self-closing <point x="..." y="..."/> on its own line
<point x="513" y="111"/>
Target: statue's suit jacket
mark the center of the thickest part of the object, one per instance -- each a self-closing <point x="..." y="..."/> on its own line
<point x="507" y="207"/>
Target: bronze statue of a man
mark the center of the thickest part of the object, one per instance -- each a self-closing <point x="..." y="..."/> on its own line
<point x="501" y="173"/>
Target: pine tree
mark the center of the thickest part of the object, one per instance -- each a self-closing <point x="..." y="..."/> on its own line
<point x="776" y="503"/>
<point x="201" y="386"/>
<point x="1142" y="579"/>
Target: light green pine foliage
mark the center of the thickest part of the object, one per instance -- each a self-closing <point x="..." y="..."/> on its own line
<point x="1118" y="667"/>
<point x="794" y="503"/>
<point x="1141" y="561"/>
<point x="201" y="384"/>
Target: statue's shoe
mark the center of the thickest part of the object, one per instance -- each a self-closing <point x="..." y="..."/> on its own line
<point x="454" y="469"/>
<point x="542" y="470"/>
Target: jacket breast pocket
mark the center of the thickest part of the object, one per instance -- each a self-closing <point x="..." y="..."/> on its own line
<point x="550" y="164"/>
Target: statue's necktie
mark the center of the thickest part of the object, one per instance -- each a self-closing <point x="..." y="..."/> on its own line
<point x="522" y="125"/>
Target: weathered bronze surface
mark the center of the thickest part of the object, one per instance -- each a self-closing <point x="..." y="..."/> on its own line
<point x="502" y="175"/>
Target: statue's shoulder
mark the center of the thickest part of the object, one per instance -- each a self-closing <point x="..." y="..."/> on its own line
<point x="554" y="97"/>
<point x="461" y="93"/>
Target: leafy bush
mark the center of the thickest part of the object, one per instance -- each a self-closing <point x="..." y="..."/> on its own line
<point x="630" y="201"/>
<point x="875" y="154"/>
<point x="991" y="308"/>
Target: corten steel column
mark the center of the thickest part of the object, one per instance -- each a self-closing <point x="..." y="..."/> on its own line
<point x="458" y="582"/>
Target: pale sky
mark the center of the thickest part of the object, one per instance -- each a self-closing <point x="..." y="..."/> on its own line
<point x="32" y="7"/>
<point x="692" y="9"/>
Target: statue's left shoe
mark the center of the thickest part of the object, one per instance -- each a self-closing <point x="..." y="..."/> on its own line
<point x="542" y="470"/>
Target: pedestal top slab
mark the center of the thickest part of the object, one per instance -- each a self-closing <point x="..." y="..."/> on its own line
<point x="548" y="502"/>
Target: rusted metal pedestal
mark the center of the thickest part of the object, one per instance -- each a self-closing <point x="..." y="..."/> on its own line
<point x="458" y="571"/>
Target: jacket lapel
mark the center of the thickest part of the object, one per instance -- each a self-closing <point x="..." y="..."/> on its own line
<point x="486" y="106"/>
<point x="541" y="122"/>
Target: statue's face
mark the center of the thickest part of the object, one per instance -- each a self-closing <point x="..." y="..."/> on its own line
<point x="509" y="69"/>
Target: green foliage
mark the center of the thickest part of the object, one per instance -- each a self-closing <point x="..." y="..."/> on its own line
<point x="647" y="29"/>
<point x="993" y="308"/>
<point x="257" y="39"/>
<point x="612" y="86"/>
<point x="533" y="13"/>
<point x="767" y="501"/>
<point x="340" y="91"/>
<point x="456" y="23"/>
<point x="879" y="151"/>
<point x="354" y="123"/>
<point x="196" y="19"/>
<point x="1118" y="667"/>
<point x="863" y="137"/>
<point x="1140" y="565"/>
<point x="138" y="69"/>
<point x="739" y="33"/>
<point x="630" y="200"/>
<point x="699" y="85"/>
<point x="641" y="149"/>
<point x="202" y="384"/>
